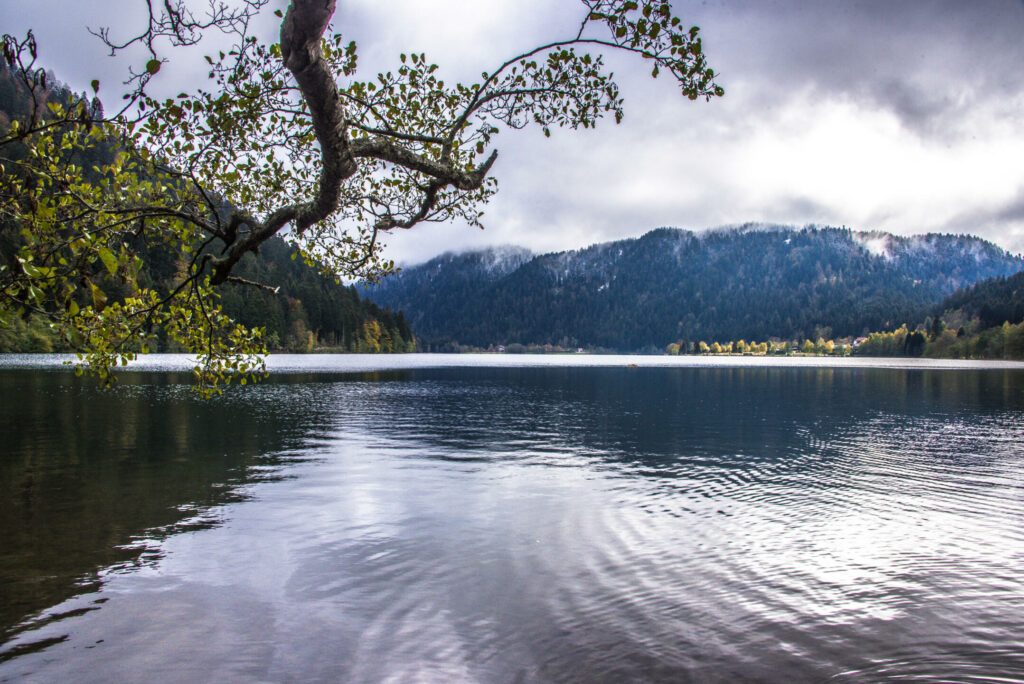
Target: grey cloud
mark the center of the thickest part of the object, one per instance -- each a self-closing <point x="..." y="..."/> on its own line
<point x="1002" y="223"/>
<point x="1012" y="211"/>
<point x="800" y="209"/>
<point x="947" y="70"/>
<point x="918" y="108"/>
<point x="1009" y="212"/>
<point x="926" y="61"/>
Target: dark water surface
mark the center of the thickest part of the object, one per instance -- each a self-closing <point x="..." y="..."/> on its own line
<point x="523" y="523"/>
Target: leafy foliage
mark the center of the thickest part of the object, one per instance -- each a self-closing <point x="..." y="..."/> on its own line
<point x="284" y="140"/>
<point x="74" y="200"/>
<point x="303" y="309"/>
<point x="1004" y="341"/>
<point x="981" y="321"/>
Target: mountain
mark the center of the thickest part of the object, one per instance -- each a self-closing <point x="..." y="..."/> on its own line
<point x="310" y="310"/>
<point x="754" y="281"/>
<point x="444" y="287"/>
<point x="993" y="302"/>
<point x="981" y="321"/>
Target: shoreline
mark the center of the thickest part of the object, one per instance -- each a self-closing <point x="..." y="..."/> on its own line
<point x="353" y="362"/>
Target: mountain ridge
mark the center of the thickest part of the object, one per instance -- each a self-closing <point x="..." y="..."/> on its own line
<point x="753" y="280"/>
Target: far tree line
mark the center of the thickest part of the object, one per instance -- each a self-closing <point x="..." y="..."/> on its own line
<point x="933" y="339"/>
<point x="775" y="347"/>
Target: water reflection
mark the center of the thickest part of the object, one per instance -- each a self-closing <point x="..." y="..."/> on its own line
<point x="91" y="482"/>
<point x="525" y="524"/>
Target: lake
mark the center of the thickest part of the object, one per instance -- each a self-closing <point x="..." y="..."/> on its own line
<point x="498" y="518"/>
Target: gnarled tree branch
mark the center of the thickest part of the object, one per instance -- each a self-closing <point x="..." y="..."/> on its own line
<point x="301" y="32"/>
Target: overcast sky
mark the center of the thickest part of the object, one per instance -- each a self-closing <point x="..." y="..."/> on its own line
<point x="898" y="115"/>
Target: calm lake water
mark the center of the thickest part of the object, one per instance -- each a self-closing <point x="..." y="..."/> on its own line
<point x="515" y="519"/>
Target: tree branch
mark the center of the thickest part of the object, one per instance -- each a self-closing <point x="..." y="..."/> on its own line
<point x="301" y="30"/>
<point x="253" y="283"/>
<point x="388" y="152"/>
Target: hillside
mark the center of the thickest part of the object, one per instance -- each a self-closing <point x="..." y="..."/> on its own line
<point x="310" y="310"/>
<point x="981" y="321"/>
<point x="670" y="284"/>
<point x="992" y="302"/>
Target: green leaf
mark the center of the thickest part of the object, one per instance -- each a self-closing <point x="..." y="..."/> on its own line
<point x="99" y="298"/>
<point x="108" y="259"/>
<point x="73" y="308"/>
<point x="153" y="66"/>
<point x="95" y="85"/>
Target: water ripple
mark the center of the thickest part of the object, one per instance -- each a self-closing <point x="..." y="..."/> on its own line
<point x="594" y="524"/>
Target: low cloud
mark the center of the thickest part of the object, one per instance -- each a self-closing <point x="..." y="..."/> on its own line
<point x="1000" y="222"/>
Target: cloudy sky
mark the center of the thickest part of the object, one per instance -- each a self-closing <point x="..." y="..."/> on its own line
<point x="905" y="116"/>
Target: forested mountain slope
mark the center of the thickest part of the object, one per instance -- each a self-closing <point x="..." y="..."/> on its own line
<point x="993" y="302"/>
<point x="670" y="284"/>
<point x="309" y="311"/>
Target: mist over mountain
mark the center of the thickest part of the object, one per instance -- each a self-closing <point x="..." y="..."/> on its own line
<point x="754" y="282"/>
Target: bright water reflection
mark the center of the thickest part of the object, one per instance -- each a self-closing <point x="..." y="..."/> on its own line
<point x="551" y="523"/>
